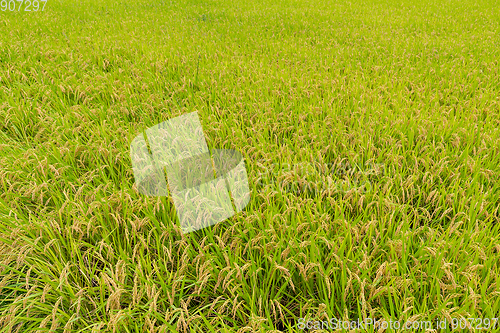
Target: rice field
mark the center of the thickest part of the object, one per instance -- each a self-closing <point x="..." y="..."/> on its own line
<point x="371" y="137"/>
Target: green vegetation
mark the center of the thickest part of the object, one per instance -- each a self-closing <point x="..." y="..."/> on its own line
<point x="411" y="86"/>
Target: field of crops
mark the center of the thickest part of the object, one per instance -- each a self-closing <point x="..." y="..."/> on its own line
<point x="371" y="137"/>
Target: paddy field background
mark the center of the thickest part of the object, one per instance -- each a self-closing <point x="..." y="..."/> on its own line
<point x="393" y="108"/>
